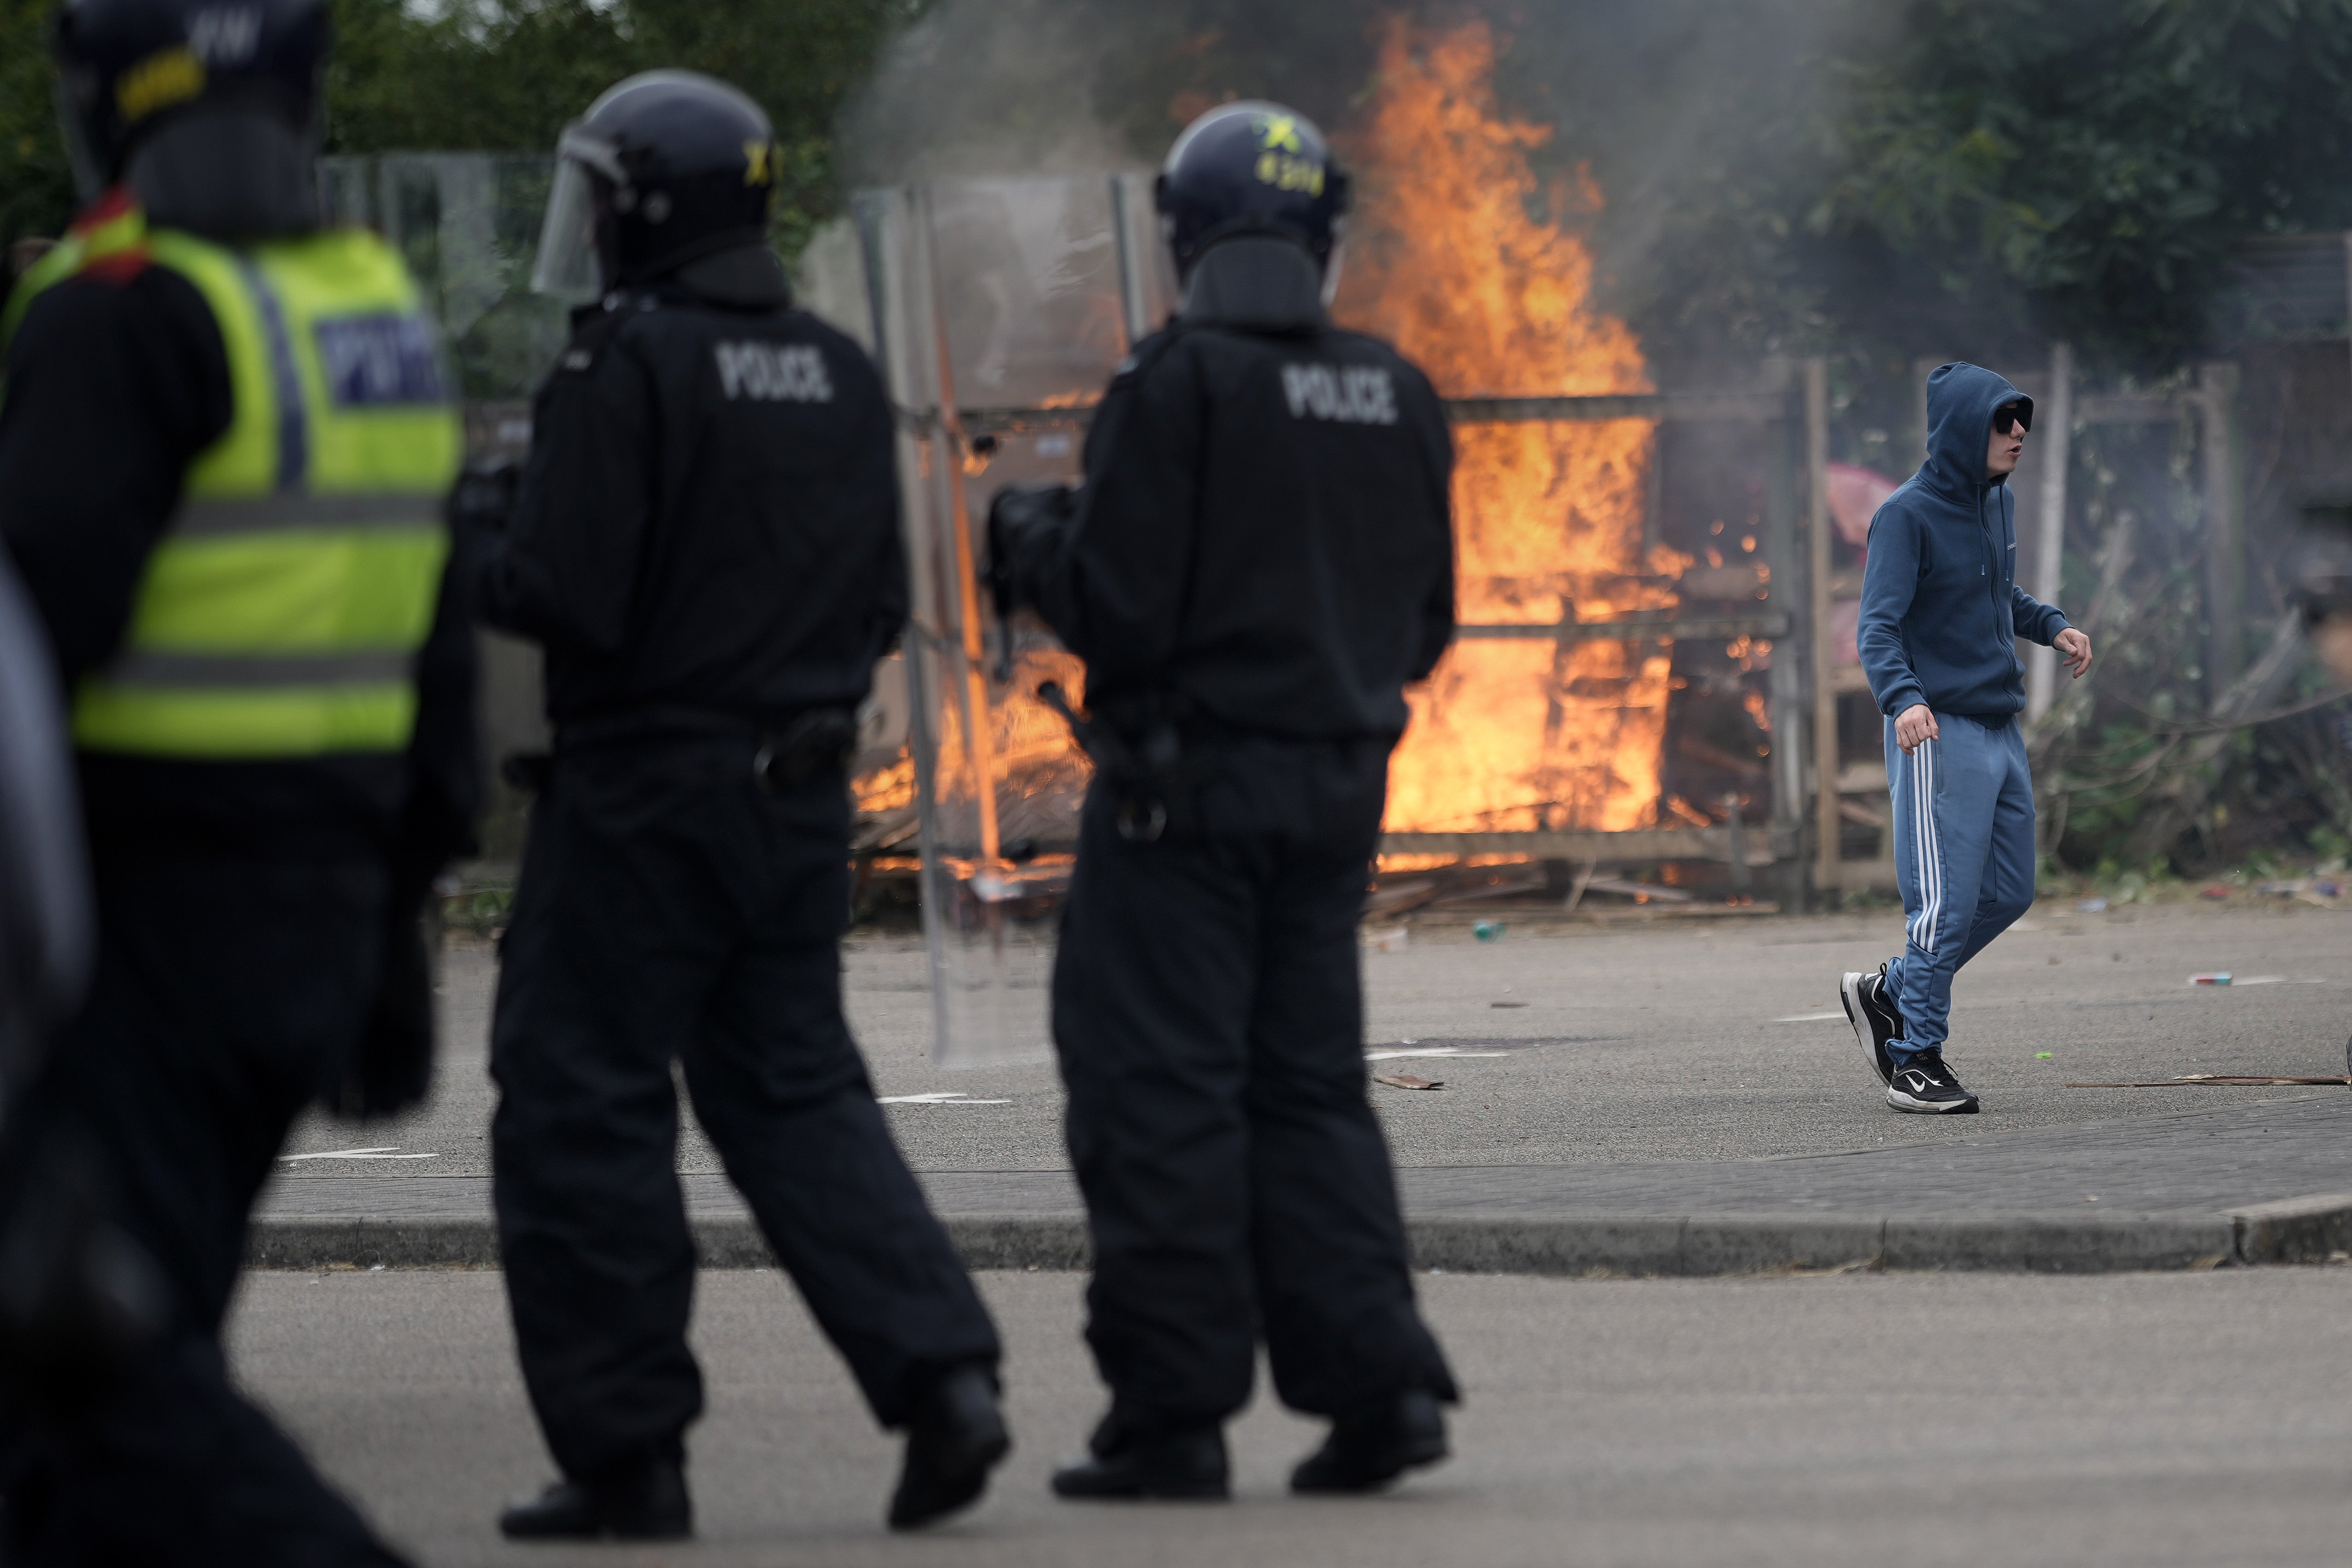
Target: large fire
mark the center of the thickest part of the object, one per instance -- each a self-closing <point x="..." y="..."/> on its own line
<point x="1468" y="262"/>
<point x="1463" y="261"/>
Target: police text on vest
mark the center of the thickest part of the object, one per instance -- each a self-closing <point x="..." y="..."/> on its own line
<point x="1356" y="394"/>
<point x="774" y="372"/>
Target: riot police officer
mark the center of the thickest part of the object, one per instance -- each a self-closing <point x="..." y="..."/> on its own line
<point x="224" y="449"/>
<point x="707" y="547"/>
<point x="1259" y="559"/>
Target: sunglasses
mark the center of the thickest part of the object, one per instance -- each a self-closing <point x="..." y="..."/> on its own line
<point x="2011" y="417"/>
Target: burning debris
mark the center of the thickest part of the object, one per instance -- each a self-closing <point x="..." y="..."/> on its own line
<point x="1448" y="261"/>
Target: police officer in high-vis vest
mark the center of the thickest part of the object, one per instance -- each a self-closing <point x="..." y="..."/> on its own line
<point x="706" y="544"/>
<point x="226" y="441"/>
<point x="1260" y="558"/>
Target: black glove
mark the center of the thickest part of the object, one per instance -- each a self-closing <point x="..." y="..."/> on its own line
<point x="391" y="1065"/>
<point x="483" y="503"/>
<point x="1020" y="518"/>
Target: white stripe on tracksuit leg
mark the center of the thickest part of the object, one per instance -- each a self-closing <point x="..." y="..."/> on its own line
<point x="1923" y="847"/>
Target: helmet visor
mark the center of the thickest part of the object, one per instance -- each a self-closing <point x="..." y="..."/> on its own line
<point x="567" y="267"/>
<point x="1334" y="261"/>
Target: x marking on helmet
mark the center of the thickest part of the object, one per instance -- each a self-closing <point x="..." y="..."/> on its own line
<point x="759" y="163"/>
<point x="1280" y="130"/>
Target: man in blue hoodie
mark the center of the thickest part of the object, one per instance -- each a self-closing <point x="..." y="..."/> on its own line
<point x="1941" y="614"/>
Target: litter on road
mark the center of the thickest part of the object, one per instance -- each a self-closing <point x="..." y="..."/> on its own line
<point x="1407" y="1081"/>
<point x="940" y="1097"/>
<point x="2218" y="979"/>
<point x="2324" y="892"/>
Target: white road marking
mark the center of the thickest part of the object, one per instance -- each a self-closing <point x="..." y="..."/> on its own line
<point x="938" y="1097"/>
<point x="1809" y="1018"/>
<point x="389" y="1152"/>
<point x="1451" y="1050"/>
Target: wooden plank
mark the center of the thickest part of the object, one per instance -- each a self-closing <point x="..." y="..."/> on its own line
<point x="1683" y="407"/>
<point x="1694" y="628"/>
<point x="1641" y="846"/>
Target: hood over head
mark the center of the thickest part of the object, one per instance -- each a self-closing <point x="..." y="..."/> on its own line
<point x="1961" y="398"/>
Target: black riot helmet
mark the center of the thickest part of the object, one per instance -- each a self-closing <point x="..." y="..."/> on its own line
<point x="208" y="109"/>
<point x="1252" y="168"/>
<point x="663" y="170"/>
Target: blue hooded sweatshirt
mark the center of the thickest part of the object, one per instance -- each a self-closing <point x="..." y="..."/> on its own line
<point x="1941" y="611"/>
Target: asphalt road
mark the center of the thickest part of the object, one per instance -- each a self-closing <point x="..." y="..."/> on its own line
<point x="1894" y="1419"/>
<point x="1664" y="1041"/>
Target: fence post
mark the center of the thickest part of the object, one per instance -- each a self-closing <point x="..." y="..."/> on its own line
<point x="2225" y="536"/>
<point x="2057" y="423"/>
<point x="1817" y="543"/>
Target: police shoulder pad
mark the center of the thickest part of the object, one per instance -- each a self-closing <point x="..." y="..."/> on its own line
<point x="1146" y="354"/>
<point x="590" y="332"/>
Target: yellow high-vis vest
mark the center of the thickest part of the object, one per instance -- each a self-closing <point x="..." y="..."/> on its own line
<point x="282" y="609"/>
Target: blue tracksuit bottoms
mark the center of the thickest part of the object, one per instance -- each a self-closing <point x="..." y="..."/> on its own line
<point x="1964" y="856"/>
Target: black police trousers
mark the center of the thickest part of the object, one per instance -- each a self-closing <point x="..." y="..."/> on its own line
<point x="1209" y="1018"/>
<point x="226" y="992"/>
<point x="669" y="910"/>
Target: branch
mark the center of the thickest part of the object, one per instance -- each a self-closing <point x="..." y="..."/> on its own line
<point x="2186" y="794"/>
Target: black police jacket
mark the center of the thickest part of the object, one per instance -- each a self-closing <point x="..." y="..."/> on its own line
<point x="1264" y="529"/>
<point x="709" y="521"/>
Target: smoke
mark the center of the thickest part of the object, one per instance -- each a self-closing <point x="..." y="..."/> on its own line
<point x="1696" y="117"/>
<point x="985" y="88"/>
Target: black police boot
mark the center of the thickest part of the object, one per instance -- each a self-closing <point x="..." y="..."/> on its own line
<point x="1365" y="1453"/>
<point x="641" y="1502"/>
<point x="1184" y="1463"/>
<point x="956" y="1438"/>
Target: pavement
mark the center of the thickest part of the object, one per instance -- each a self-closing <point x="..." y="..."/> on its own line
<point x="2131" y="1419"/>
<point x="1666" y="1098"/>
<point x="2080" y="1382"/>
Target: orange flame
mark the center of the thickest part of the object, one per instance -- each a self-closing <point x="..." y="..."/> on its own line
<point x="1451" y="264"/>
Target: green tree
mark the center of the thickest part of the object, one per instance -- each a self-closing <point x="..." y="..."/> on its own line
<point x="2105" y="157"/>
<point x="505" y="75"/>
<point x="36" y="189"/>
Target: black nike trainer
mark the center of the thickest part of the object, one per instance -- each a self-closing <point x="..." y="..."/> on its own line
<point x="1926" y="1086"/>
